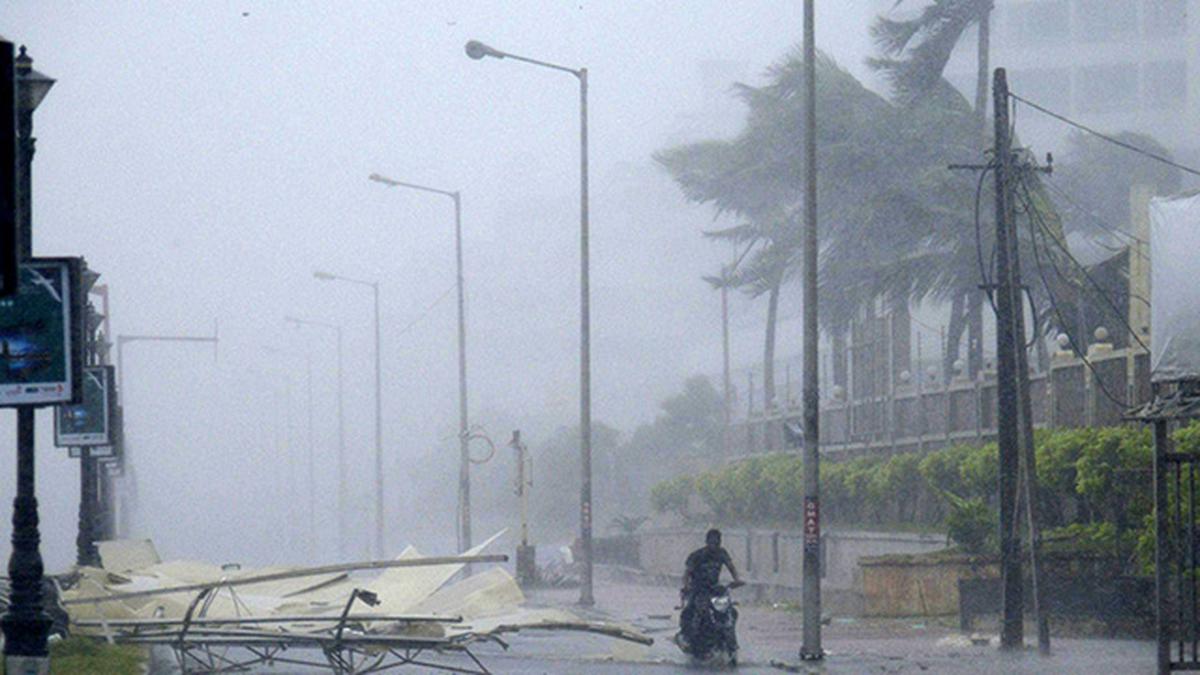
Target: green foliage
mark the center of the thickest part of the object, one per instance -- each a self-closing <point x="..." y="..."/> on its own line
<point x="970" y="523"/>
<point x="627" y="525"/>
<point x="88" y="656"/>
<point x="1094" y="485"/>
<point x="671" y="495"/>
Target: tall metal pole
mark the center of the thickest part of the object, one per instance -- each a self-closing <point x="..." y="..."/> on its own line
<point x="464" y="470"/>
<point x="341" y="456"/>
<point x="312" y="474"/>
<point x="477" y="50"/>
<point x="586" y="597"/>
<point x="464" y="464"/>
<point x="85" y="540"/>
<point x="25" y="625"/>
<point x="811" y="649"/>
<point x="378" y="435"/>
<point x="1008" y="409"/>
<point x="341" y="429"/>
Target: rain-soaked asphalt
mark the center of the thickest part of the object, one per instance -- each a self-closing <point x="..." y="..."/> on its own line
<point x="771" y="635"/>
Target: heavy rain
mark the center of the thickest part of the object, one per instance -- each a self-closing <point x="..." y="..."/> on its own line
<point x="535" y="336"/>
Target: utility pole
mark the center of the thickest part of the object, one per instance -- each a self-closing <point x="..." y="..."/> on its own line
<point x="811" y="649"/>
<point x="1007" y="390"/>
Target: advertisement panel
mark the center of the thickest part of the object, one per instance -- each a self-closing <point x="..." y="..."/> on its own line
<point x="89" y="422"/>
<point x="41" y="335"/>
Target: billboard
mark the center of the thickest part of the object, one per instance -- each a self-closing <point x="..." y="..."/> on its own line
<point x="89" y="422"/>
<point x="41" y="335"/>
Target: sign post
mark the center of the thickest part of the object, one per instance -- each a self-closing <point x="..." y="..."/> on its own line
<point x="88" y="423"/>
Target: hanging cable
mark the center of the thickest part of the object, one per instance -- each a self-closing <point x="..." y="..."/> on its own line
<point x="412" y="324"/>
<point x="1099" y="289"/>
<point x="1096" y="220"/>
<point x="1110" y="139"/>
<point x="1054" y="306"/>
<point x="983" y="269"/>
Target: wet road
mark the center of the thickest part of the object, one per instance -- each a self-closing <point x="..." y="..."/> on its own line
<point x="768" y="635"/>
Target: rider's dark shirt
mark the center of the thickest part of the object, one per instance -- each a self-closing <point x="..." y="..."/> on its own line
<point x="704" y="567"/>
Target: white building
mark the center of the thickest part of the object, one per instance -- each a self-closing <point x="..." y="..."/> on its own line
<point x="1114" y="65"/>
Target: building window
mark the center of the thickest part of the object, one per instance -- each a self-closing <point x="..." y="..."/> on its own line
<point x="1105" y="20"/>
<point x="1106" y="88"/>
<point x="1033" y="23"/>
<point x="1164" y="85"/>
<point x="1050" y="87"/>
<point x="1164" y="18"/>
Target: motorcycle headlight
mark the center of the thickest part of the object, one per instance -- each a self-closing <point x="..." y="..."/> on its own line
<point x="722" y="603"/>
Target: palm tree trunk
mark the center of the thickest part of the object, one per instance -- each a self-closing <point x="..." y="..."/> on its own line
<point x="769" y="358"/>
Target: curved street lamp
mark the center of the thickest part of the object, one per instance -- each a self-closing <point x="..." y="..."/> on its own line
<point x="374" y="286"/>
<point x="341" y="431"/>
<point x="478" y="50"/>
<point x="464" y="467"/>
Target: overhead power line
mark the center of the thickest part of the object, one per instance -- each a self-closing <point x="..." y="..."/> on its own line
<point x="1106" y="137"/>
<point x="1034" y="218"/>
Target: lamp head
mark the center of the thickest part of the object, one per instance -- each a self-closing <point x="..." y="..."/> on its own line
<point x="32" y="86"/>
<point x="323" y="276"/>
<point x="477" y="50"/>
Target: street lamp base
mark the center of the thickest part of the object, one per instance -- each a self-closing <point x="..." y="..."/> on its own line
<point x="27" y="665"/>
<point x="812" y="656"/>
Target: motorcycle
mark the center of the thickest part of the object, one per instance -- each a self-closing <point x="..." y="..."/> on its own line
<point x="710" y="635"/>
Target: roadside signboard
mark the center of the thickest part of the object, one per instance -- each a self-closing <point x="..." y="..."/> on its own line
<point x="101" y="452"/>
<point x="89" y="422"/>
<point x="41" y="335"/>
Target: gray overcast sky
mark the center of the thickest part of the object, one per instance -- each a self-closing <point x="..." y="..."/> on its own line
<point x="207" y="156"/>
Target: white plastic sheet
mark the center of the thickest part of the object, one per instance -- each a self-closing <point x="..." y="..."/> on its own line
<point x="1175" y="284"/>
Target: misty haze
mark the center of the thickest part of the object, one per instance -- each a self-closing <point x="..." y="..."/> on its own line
<point x="600" y="337"/>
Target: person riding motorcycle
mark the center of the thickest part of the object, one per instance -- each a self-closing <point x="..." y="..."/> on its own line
<point x="702" y="576"/>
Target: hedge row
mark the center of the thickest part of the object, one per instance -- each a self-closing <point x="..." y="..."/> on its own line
<point x="1093" y="482"/>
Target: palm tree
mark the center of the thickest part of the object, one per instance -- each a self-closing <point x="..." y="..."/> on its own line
<point x="894" y="222"/>
<point x="757" y="176"/>
<point x="915" y="53"/>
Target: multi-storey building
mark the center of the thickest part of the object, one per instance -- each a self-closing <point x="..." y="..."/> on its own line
<point x="1115" y="65"/>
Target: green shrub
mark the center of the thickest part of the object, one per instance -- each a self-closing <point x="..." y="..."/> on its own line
<point x="970" y="523"/>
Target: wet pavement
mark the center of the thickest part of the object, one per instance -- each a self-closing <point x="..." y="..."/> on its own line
<point x="769" y="637"/>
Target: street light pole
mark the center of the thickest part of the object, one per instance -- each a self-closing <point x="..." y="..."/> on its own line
<point x="477" y="50"/>
<point x="25" y="625"/>
<point x="374" y="286"/>
<point x="464" y="466"/>
<point x="341" y="429"/>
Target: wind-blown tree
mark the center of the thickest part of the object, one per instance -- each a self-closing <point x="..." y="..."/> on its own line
<point x="887" y="201"/>
<point x="915" y="54"/>
<point x="725" y="175"/>
<point x="1097" y="178"/>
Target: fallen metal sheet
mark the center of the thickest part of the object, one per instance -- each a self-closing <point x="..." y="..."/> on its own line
<point x="122" y="555"/>
<point x="419" y="606"/>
